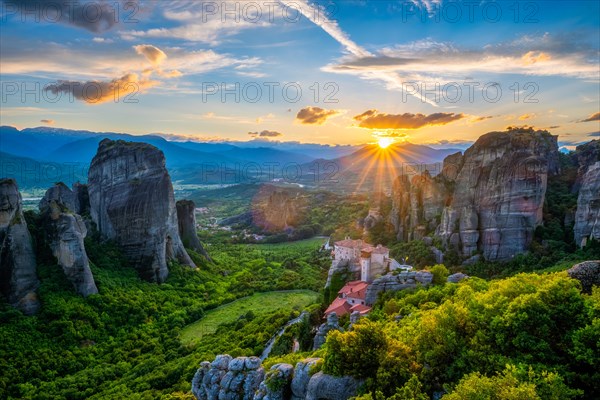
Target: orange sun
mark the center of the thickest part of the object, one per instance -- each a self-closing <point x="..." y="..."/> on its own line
<point x="385" y="142"/>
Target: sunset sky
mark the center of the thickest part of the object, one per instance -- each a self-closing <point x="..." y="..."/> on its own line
<point x="361" y="65"/>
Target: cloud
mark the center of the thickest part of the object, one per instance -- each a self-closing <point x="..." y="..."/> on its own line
<point x="47" y="121"/>
<point x="479" y="119"/>
<point x="526" y="116"/>
<point x="93" y="15"/>
<point x="193" y="21"/>
<point x="591" y="118"/>
<point x="594" y="134"/>
<point x="315" y="115"/>
<point x="444" y="62"/>
<point x="265" y="134"/>
<point x="152" y="53"/>
<point x="373" y="119"/>
<point x="97" y="92"/>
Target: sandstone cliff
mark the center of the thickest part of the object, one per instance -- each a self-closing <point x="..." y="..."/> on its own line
<point x="186" y="217"/>
<point x="275" y="209"/>
<point x="132" y="202"/>
<point x="18" y="279"/>
<point x="66" y="231"/>
<point x="488" y="201"/>
<point x="587" y="216"/>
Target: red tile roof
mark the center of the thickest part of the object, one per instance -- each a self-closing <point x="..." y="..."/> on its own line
<point x="339" y="306"/>
<point x="362" y="245"/>
<point x="361" y="308"/>
<point x="355" y="289"/>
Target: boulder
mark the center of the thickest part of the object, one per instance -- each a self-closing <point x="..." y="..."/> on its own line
<point x="455" y="278"/>
<point x="332" y="324"/>
<point x="588" y="273"/>
<point x="18" y="279"/>
<point x="228" y="378"/>
<point x="277" y="383"/>
<point x="132" y="203"/>
<point x="327" y="387"/>
<point x="302" y="375"/>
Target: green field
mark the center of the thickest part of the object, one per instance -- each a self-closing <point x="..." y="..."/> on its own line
<point x="259" y="303"/>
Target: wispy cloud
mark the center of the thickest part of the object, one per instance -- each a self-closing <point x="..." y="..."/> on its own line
<point x="373" y="119"/>
<point x="592" y="118"/>
<point x="265" y="134"/>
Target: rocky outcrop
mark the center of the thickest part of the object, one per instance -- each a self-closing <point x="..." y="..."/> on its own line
<point x="327" y="387"/>
<point x="488" y="201"/>
<point x="394" y="283"/>
<point x="244" y="378"/>
<point x="587" y="216"/>
<point x="18" y="279"/>
<point x="417" y="205"/>
<point x="586" y="155"/>
<point x="455" y="278"/>
<point x="275" y="210"/>
<point x="499" y="193"/>
<point x="277" y="384"/>
<point x="186" y="218"/>
<point x="228" y="378"/>
<point x="132" y="203"/>
<point x="65" y="234"/>
<point x="332" y="324"/>
<point x="588" y="273"/>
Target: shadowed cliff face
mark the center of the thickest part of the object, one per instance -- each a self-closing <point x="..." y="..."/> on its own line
<point x="18" y="279"/>
<point x="132" y="202"/>
<point x="587" y="217"/>
<point x="487" y="201"/>
<point x="186" y="218"/>
<point x="66" y="232"/>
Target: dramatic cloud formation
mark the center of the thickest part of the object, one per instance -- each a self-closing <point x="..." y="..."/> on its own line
<point x="47" y="121"/>
<point x="265" y="134"/>
<point x="315" y="115"/>
<point x="92" y="15"/>
<point x="152" y="53"/>
<point x="591" y="118"/>
<point x="373" y="119"/>
<point x="123" y="89"/>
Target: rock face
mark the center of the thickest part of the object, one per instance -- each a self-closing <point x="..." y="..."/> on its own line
<point x="322" y="386"/>
<point x="132" y="202"/>
<point x="228" y="378"/>
<point x="18" y="279"/>
<point x="332" y="324"/>
<point x="66" y="232"/>
<point x="417" y="205"/>
<point x="394" y="283"/>
<point x="488" y="201"/>
<point x="588" y="273"/>
<point x="587" y="216"/>
<point x="275" y="210"/>
<point x="186" y="218"/>
<point x="244" y="378"/>
<point x="455" y="278"/>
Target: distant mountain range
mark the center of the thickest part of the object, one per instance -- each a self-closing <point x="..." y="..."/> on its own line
<point x="59" y="151"/>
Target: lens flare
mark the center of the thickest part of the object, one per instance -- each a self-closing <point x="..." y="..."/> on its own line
<point x="385" y="142"/>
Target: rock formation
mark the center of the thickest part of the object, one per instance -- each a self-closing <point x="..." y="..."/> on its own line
<point x="417" y="205"/>
<point x="488" y="201"/>
<point x="228" y="378"/>
<point x="587" y="216"/>
<point x="186" y="218"/>
<point x="274" y="209"/>
<point x="588" y="273"/>
<point x="394" y="283"/>
<point x="132" y="202"/>
<point x="586" y="155"/>
<point x="244" y="378"/>
<point x="18" y="279"/>
<point x="455" y="278"/>
<point x="332" y="324"/>
<point x="66" y="232"/>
